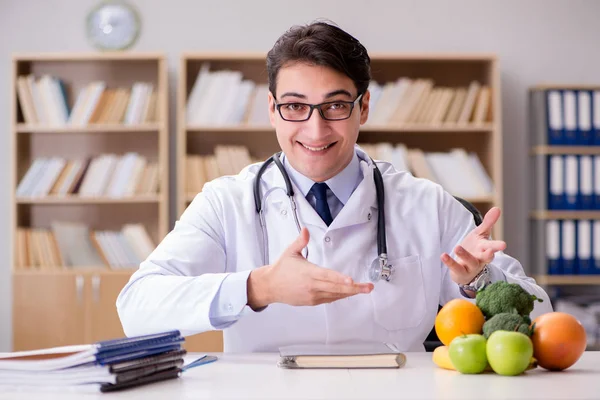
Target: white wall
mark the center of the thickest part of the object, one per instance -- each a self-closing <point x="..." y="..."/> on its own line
<point x="536" y="40"/>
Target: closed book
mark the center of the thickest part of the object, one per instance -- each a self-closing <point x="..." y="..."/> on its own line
<point x="343" y="355"/>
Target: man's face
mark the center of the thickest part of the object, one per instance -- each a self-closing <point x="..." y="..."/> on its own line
<point x="317" y="148"/>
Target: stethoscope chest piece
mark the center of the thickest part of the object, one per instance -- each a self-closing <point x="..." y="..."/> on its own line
<point x="379" y="270"/>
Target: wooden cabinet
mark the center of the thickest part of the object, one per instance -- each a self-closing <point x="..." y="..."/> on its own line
<point x="48" y="310"/>
<point x="58" y="309"/>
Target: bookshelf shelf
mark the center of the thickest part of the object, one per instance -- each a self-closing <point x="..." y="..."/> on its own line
<point x="91" y="200"/>
<point x="575" y="150"/>
<point x="96" y="128"/>
<point x="554" y="215"/>
<point x="568" y="279"/>
<point x="88" y="130"/>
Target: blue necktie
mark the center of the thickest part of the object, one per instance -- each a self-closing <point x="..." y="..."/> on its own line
<point x="319" y="190"/>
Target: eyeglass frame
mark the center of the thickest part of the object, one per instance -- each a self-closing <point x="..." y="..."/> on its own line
<point x="318" y="106"/>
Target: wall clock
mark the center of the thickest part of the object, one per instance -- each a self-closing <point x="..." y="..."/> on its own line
<point x="113" y="25"/>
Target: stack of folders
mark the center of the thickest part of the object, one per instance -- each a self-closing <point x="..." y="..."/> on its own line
<point x="103" y="366"/>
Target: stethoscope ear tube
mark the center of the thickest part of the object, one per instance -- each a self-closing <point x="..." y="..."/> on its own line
<point x="381" y="237"/>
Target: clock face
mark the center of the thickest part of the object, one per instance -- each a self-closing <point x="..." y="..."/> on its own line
<point x="113" y="25"/>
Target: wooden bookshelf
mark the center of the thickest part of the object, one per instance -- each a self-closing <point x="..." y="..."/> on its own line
<point x="484" y="138"/>
<point x="72" y="304"/>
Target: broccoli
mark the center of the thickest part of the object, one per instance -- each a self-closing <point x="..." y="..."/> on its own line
<point x="503" y="297"/>
<point x="506" y="322"/>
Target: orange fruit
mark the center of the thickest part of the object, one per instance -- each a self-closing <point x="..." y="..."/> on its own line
<point x="458" y="317"/>
<point x="558" y="340"/>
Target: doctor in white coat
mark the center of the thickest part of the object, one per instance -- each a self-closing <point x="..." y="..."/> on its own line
<point x="298" y="272"/>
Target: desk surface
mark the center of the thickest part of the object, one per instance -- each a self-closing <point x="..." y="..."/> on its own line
<point x="256" y="376"/>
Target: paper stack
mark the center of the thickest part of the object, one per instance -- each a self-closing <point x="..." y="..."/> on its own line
<point x="103" y="366"/>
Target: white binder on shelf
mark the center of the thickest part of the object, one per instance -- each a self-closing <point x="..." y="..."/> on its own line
<point x="568" y="247"/>
<point x="571" y="182"/>
<point x="553" y="247"/>
<point x="584" y="247"/>
<point x="584" y="117"/>
<point x="586" y="183"/>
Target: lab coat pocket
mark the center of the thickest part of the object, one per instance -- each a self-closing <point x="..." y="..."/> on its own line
<point x="400" y="303"/>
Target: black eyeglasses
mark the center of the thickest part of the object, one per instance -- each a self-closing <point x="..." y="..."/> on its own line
<point x="337" y="110"/>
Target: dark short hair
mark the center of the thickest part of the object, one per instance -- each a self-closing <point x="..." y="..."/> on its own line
<point x="322" y="44"/>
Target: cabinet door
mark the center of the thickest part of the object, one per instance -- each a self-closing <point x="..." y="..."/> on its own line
<point x="48" y="310"/>
<point x="205" y="342"/>
<point x="104" y="323"/>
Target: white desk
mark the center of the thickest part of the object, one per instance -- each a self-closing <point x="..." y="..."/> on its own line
<point x="256" y="376"/>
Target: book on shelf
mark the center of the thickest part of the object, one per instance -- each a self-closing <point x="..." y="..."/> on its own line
<point x="45" y="101"/>
<point x="105" y="175"/>
<point x="103" y="366"/>
<point x="75" y="245"/>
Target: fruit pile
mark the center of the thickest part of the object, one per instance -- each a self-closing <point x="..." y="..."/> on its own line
<point x="496" y="334"/>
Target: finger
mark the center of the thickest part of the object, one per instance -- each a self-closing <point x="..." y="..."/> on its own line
<point x="342" y="289"/>
<point x="495" y="245"/>
<point x="491" y="217"/>
<point x="469" y="260"/>
<point x="300" y="243"/>
<point x="458" y="269"/>
<point x="328" y="275"/>
<point x="488" y="256"/>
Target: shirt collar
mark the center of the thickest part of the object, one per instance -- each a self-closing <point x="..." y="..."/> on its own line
<point x="342" y="185"/>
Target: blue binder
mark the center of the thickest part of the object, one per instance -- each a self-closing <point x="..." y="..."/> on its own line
<point x="585" y="261"/>
<point x="584" y="118"/>
<point x="586" y="183"/>
<point x="556" y="182"/>
<point x="555" y="119"/>
<point x="568" y="247"/>
<point x="553" y="247"/>
<point x="570" y="118"/>
<point x="596" y="117"/>
<point x="125" y="349"/>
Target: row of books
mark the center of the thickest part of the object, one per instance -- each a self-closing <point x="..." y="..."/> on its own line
<point x="571" y="117"/>
<point x="459" y="172"/>
<point x="106" y="175"/>
<point x="71" y="244"/>
<point x="421" y="101"/>
<point x="573" y="182"/>
<point x="45" y="101"/>
<point x="224" y="97"/>
<point x="573" y="247"/>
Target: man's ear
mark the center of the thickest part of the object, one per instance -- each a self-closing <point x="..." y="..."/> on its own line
<point x="364" y="107"/>
<point x="272" y="109"/>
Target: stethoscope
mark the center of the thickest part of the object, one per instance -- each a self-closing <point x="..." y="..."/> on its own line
<point x="380" y="269"/>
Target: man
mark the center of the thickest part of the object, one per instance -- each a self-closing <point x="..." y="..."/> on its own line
<point x="297" y="272"/>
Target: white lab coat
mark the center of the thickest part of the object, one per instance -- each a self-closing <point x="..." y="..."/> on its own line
<point x="219" y="236"/>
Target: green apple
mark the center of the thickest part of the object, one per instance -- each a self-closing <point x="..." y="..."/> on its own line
<point x="468" y="353"/>
<point x="509" y="352"/>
